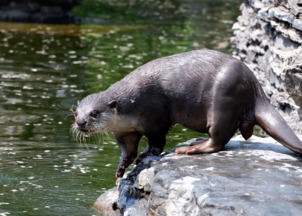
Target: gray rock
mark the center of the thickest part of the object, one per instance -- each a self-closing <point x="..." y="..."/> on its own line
<point x="295" y="6"/>
<point x="255" y="177"/>
<point x="16" y="15"/>
<point x="297" y="24"/>
<point x="281" y="14"/>
<point x="103" y="203"/>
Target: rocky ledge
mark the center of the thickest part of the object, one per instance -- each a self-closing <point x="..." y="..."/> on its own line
<point x="268" y="38"/>
<point x="254" y="177"/>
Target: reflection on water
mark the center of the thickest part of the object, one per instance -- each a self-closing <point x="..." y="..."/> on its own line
<point x="64" y="30"/>
<point x="46" y="69"/>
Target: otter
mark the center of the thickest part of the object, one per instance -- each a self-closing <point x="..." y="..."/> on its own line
<point x="203" y="90"/>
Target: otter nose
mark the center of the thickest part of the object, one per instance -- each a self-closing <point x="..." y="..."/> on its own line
<point x="81" y="122"/>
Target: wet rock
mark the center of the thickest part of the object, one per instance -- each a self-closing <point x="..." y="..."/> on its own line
<point x="16" y="15"/>
<point x="255" y="177"/>
<point x="268" y="38"/>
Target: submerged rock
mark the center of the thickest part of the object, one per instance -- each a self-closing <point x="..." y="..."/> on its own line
<point x="51" y="11"/>
<point x="254" y="177"/>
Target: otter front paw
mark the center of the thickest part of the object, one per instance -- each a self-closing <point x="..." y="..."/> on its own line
<point x="120" y="172"/>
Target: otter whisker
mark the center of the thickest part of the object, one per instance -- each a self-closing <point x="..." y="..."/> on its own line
<point x="108" y="136"/>
<point x="73" y="108"/>
<point x="82" y="138"/>
<point x="69" y="115"/>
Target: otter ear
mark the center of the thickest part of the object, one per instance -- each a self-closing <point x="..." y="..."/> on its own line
<point x="112" y="104"/>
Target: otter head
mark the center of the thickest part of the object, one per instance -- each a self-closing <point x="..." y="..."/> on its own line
<point x="94" y="114"/>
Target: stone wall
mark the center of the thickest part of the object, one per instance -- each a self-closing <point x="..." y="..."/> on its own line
<point x="268" y="37"/>
<point x="52" y="11"/>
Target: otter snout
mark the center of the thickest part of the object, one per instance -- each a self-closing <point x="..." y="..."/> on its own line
<point x="81" y="124"/>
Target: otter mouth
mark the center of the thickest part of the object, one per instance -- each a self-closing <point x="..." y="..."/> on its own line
<point x="80" y="133"/>
<point x="81" y="129"/>
<point x="77" y="129"/>
<point x="84" y="130"/>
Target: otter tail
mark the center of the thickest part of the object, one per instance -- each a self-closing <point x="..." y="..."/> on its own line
<point x="274" y="125"/>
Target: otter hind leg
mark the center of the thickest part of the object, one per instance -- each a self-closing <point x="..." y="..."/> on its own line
<point x="219" y="134"/>
<point x="128" y="143"/>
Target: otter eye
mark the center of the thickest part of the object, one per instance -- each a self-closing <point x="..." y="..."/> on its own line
<point x="94" y="113"/>
<point x="75" y="114"/>
<point x="112" y="104"/>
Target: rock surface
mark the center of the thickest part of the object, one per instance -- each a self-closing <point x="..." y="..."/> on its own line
<point x="268" y="38"/>
<point x="255" y="177"/>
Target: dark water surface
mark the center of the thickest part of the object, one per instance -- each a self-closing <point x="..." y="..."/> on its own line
<point x="46" y="69"/>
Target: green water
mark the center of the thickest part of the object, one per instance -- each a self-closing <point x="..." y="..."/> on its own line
<point x="46" y="69"/>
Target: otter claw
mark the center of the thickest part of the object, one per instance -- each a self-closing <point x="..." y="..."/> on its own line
<point x="119" y="174"/>
<point x="120" y="171"/>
